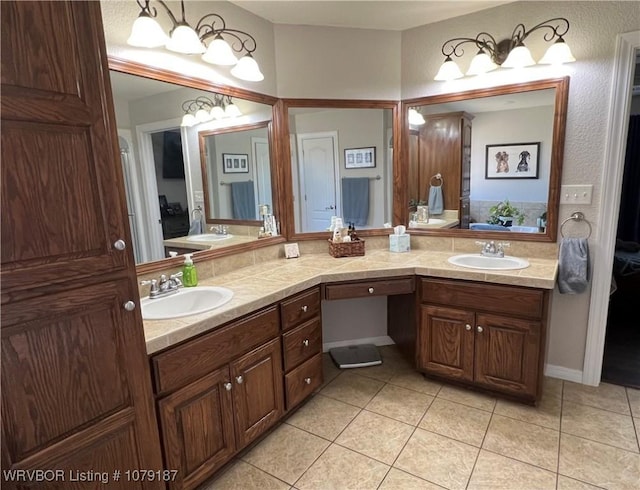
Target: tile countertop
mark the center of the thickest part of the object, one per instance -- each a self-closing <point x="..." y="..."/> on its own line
<point x="183" y="242"/>
<point x="258" y="286"/>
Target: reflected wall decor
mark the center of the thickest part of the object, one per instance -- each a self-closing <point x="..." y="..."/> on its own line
<point x="235" y="163"/>
<point x="512" y="161"/>
<point x="360" y="157"/>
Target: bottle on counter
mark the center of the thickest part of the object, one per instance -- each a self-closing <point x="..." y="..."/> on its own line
<point x="189" y="274"/>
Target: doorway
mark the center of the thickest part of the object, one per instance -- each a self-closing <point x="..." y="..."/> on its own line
<point x="318" y="177"/>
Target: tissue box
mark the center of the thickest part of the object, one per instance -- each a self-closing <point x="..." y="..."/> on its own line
<point x="399" y="243"/>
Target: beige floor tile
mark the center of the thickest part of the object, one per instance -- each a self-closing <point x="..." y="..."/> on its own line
<point x="546" y="414"/>
<point x="566" y="483"/>
<point x="599" y="425"/>
<point x="384" y="372"/>
<point x="525" y="442"/>
<point x="552" y="387"/>
<point x="598" y="464"/>
<point x="324" y="417"/>
<point x="636" y="422"/>
<point x="353" y="389"/>
<point x="399" y="480"/>
<point x="495" y="472"/>
<point x="457" y="421"/>
<point x="243" y="476"/>
<point x="605" y="396"/>
<point x="401" y="404"/>
<point x="339" y="468"/>
<point x="329" y="370"/>
<point x="286" y="453"/>
<point x="376" y="436"/>
<point x="634" y="401"/>
<point x="467" y="397"/>
<point x="415" y="381"/>
<point x="438" y="459"/>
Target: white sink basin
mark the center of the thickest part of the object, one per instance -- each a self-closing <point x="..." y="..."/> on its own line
<point x="476" y="261"/>
<point x="187" y="301"/>
<point x="207" y="237"/>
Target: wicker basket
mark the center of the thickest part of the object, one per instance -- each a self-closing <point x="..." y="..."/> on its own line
<point x="346" y="249"/>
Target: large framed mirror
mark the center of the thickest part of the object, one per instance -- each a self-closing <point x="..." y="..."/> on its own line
<point x="341" y="162"/>
<point x="169" y="196"/>
<point x="485" y="162"/>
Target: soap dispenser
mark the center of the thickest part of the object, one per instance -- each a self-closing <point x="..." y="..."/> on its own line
<point x="189" y="274"/>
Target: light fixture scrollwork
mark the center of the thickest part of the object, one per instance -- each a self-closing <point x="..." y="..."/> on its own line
<point x="203" y="109"/>
<point x="185" y="39"/>
<point x="508" y="53"/>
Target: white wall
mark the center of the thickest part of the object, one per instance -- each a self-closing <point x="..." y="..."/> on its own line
<point x="517" y="126"/>
<point x="592" y="37"/>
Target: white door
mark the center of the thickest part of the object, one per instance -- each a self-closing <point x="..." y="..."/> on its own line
<point x="318" y="162"/>
<point x="262" y="172"/>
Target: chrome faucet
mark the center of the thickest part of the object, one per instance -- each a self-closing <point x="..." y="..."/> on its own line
<point x="164" y="286"/>
<point x="219" y="229"/>
<point x="491" y="249"/>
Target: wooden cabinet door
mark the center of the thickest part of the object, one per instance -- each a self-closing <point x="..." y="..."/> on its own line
<point x="257" y="391"/>
<point x="76" y="386"/>
<point x="445" y="342"/>
<point x="62" y="188"/>
<point x="197" y="428"/>
<point x="507" y="351"/>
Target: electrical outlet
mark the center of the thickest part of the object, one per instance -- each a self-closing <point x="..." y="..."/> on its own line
<point x="576" y="194"/>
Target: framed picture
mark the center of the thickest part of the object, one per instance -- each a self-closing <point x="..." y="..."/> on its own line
<point x="512" y="161"/>
<point x="360" y="157"/>
<point x="291" y="250"/>
<point x="235" y="163"/>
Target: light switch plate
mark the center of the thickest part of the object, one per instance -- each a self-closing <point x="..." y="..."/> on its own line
<point x="199" y="195"/>
<point x="576" y="194"/>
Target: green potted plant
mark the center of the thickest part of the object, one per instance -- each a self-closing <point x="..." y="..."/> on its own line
<point x="504" y="213"/>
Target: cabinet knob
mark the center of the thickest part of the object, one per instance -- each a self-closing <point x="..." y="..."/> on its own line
<point x="228" y="386"/>
<point x="119" y="245"/>
<point x="479" y="329"/>
<point x="467" y="327"/>
<point x="307" y="380"/>
<point x="304" y="308"/>
<point x="305" y="342"/>
<point x="239" y="380"/>
<point x="370" y="290"/>
<point x="129" y="306"/>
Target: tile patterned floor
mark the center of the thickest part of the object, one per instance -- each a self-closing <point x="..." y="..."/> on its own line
<point x="387" y="427"/>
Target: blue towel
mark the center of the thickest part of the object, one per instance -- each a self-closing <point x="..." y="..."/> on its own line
<point x="243" y="200"/>
<point x="355" y="200"/>
<point x="196" y="227"/>
<point x="573" y="265"/>
<point x="436" y="205"/>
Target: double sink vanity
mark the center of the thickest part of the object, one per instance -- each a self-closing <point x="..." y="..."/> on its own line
<point x="222" y="377"/>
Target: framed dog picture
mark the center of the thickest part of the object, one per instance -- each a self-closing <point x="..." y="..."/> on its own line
<point x="512" y="161"/>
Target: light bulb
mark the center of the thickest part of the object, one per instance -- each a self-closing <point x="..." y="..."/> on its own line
<point x="519" y="57"/>
<point x="146" y="33"/>
<point x="185" y="40"/>
<point x="557" y="54"/>
<point x="232" y="110"/>
<point x="202" y="115"/>
<point x="481" y="63"/>
<point x="448" y="71"/>
<point x="188" y="120"/>
<point x="219" y="53"/>
<point x="217" y="112"/>
<point x="415" y="118"/>
<point x="247" y="69"/>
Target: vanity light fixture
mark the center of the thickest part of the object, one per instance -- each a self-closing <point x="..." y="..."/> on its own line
<point x="203" y="109"/>
<point x="185" y="39"/>
<point x="508" y="53"/>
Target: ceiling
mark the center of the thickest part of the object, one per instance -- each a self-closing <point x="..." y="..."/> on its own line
<point x="387" y="15"/>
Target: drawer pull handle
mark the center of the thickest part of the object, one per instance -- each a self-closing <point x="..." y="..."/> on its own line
<point x="305" y="342"/>
<point x="370" y="290"/>
<point x="239" y="380"/>
<point x="467" y="327"/>
<point x="305" y="308"/>
<point x="307" y="380"/>
<point x="228" y="386"/>
<point x="480" y="329"/>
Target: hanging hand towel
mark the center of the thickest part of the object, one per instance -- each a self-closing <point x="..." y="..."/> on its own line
<point x="436" y="206"/>
<point x="573" y="265"/>
<point x="243" y="200"/>
<point x="355" y="200"/>
<point x="196" y="227"/>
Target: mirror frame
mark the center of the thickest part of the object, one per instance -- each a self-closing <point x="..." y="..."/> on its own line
<point x="561" y="86"/>
<point x="287" y="177"/>
<point x="146" y="71"/>
<point x="203" y="165"/>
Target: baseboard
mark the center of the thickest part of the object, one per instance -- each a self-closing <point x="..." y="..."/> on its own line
<point x="560" y="372"/>
<point x="383" y="340"/>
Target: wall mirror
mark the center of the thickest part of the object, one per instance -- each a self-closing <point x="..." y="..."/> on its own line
<point x="169" y="197"/>
<point x="342" y="164"/>
<point x="486" y="162"/>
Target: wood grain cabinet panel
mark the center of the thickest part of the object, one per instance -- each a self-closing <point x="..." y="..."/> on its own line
<point x="374" y="287"/>
<point x="301" y="343"/>
<point x="300" y="308"/>
<point x="301" y="381"/>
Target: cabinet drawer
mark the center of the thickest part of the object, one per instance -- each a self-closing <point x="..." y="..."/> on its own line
<point x="301" y="382"/>
<point x="300" y="308"/>
<point x="376" y="287"/>
<point x="198" y="357"/>
<point x="512" y="300"/>
<point x="301" y="343"/>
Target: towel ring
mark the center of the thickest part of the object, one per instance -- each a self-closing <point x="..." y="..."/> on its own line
<point x="437" y="177"/>
<point x="577" y="216"/>
<point x="197" y="210"/>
